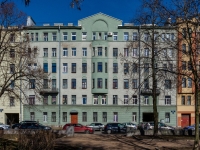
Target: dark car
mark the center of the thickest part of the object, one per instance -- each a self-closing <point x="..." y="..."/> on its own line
<point x="114" y="128"/>
<point x="16" y="126"/>
<point x="79" y="128"/>
<point x="191" y="127"/>
<point x="96" y="126"/>
<point x="33" y="125"/>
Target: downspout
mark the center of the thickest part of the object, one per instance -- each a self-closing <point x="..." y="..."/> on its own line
<point x="139" y="71"/>
<point x="59" y="53"/>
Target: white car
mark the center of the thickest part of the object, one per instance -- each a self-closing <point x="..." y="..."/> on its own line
<point x="4" y="126"/>
<point x="130" y="124"/>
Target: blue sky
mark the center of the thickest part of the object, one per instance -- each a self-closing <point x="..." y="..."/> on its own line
<point x="59" y="11"/>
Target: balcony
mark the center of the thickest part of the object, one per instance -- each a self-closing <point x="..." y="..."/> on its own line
<point x="149" y="92"/>
<point x="49" y="91"/>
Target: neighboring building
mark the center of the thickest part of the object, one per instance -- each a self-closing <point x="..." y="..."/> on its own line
<point x="89" y="80"/>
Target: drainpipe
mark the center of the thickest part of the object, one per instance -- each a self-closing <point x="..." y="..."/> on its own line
<point x="139" y="70"/>
<point x="59" y="53"/>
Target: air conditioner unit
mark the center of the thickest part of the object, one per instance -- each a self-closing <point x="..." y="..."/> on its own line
<point x="110" y="33"/>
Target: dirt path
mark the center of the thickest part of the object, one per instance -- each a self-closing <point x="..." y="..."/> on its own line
<point x="120" y="142"/>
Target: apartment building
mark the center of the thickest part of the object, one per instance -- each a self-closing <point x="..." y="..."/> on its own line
<point x="93" y="76"/>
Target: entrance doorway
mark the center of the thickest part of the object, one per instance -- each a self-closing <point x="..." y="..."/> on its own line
<point x="74" y="118"/>
<point x="185" y="120"/>
<point x="147" y="117"/>
<point x="12" y="118"/>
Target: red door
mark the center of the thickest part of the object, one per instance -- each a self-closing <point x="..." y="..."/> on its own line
<point x="185" y="120"/>
<point x="74" y="118"/>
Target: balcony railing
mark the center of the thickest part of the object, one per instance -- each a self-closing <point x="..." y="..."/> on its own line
<point x="149" y="92"/>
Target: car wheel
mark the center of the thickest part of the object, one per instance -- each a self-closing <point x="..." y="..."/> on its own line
<point x="1" y="128"/>
<point x="109" y="131"/>
<point x="87" y="131"/>
<point x="16" y="128"/>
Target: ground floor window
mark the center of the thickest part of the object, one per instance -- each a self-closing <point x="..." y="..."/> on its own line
<point x="53" y="117"/>
<point x="134" y="116"/>
<point x="167" y="117"/>
<point x="104" y="114"/>
<point x="45" y="116"/>
<point x="95" y="117"/>
<point x="64" y="116"/>
<point x="32" y="116"/>
<point x="115" y="116"/>
<point x="84" y="116"/>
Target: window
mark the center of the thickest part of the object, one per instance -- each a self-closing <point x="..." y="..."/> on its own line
<point x="126" y="36"/>
<point x="183" y="82"/>
<point x="45" y="67"/>
<point x="84" y="67"/>
<point x="73" y="84"/>
<point x="164" y="52"/>
<point x="126" y="52"/>
<point x="134" y="117"/>
<point x="84" y="98"/>
<point x="106" y="68"/>
<point x="31" y="99"/>
<point x="94" y="36"/>
<point x="115" y="100"/>
<point x="12" y="37"/>
<point x="65" y="101"/>
<point x="12" y="84"/>
<point x="99" y="51"/>
<point x="134" y="84"/>
<point x="53" y="52"/>
<point x="114" y="36"/>
<point x="54" y="36"/>
<point x="189" y="65"/>
<point x="65" y="52"/>
<point x="103" y="100"/>
<point x="45" y="52"/>
<point x="146" y="83"/>
<point x="45" y="83"/>
<point x="44" y="116"/>
<point x="36" y="36"/>
<point x="115" y="83"/>
<point x="126" y="83"/>
<point x="12" y="101"/>
<point x="167" y="84"/>
<point x="184" y="33"/>
<point x="189" y="82"/>
<point x="64" y="83"/>
<point x="84" y="116"/>
<point x="135" y="52"/>
<point x="172" y="37"/>
<point x="100" y="37"/>
<point x="64" y="119"/>
<point x="183" y="100"/>
<point x="163" y="37"/>
<point x="53" y="100"/>
<point x="12" y="53"/>
<point x="84" y="35"/>
<point x="84" y="83"/>
<point x="125" y="99"/>
<point x="146" y="100"/>
<point x="135" y="68"/>
<point x="170" y="53"/>
<point x="93" y="67"/>
<point x="100" y="68"/>
<point x="184" y="48"/>
<point x="115" y="116"/>
<point x="53" y="117"/>
<point x="31" y="83"/>
<point x="84" y="51"/>
<point x="53" y="67"/>
<point x="73" y="36"/>
<point x="126" y="68"/>
<point x="45" y="36"/>
<point x="183" y="65"/>
<point x="104" y="116"/>
<point x="65" y="68"/>
<point x="105" y="35"/>
<point x="93" y="51"/>
<point x="134" y="99"/>
<point x="73" y="51"/>
<point x="73" y="67"/>
<point x="167" y="117"/>
<point x="115" y="67"/>
<point x="99" y="83"/>
<point x="65" y="36"/>
<point x="146" y="52"/>
<point x="167" y="100"/>
<point x="106" y="83"/>
<point x="95" y="117"/>
<point x="146" y="67"/>
<point x="53" y="83"/>
<point x="32" y="116"/>
<point x="73" y="99"/>
<point x="146" y="37"/>
<point x="188" y="100"/>
<point x="135" y="36"/>
<point x="45" y="100"/>
<point x="115" y="52"/>
<point x="93" y="83"/>
<point x="95" y="100"/>
<point x="106" y="52"/>
<point x="12" y="68"/>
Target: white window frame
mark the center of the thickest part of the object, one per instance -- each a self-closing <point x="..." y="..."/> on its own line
<point x="95" y="101"/>
<point x="115" y="117"/>
<point x="65" y="34"/>
<point x="126" y="52"/>
<point x="125" y="99"/>
<point x="105" y="35"/>
<point x="189" y="82"/>
<point x="84" y="51"/>
<point x="146" y="52"/>
<point x="73" y="51"/>
<point x="114" y="36"/>
<point x="84" y="97"/>
<point x="167" y="101"/>
<point x="65" y="52"/>
<point x="134" y="117"/>
<point x="84" y="36"/>
<point x="73" y="36"/>
<point x="53" y="52"/>
<point x="65" y="85"/>
<point x="135" y="52"/>
<point x="135" y="36"/>
<point x="65" y="67"/>
<point x="146" y="100"/>
<point x="134" y="100"/>
<point x="126" y="36"/>
<point x="94" y="36"/>
<point x="54" y="36"/>
<point x="45" y="116"/>
<point x="103" y="100"/>
<point x="32" y="116"/>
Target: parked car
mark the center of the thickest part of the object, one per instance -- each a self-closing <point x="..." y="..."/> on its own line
<point x="96" y="126"/>
<point x="114" y="128"/>
<point x="79" y="128"/>
<point x="191" y="127"/>
<point x="16" y="126"/>
<point x="130" y="124"/>
<point x="33" y="125"/>
<point x="150" y="126"/>
<point x="4" y="126"/>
